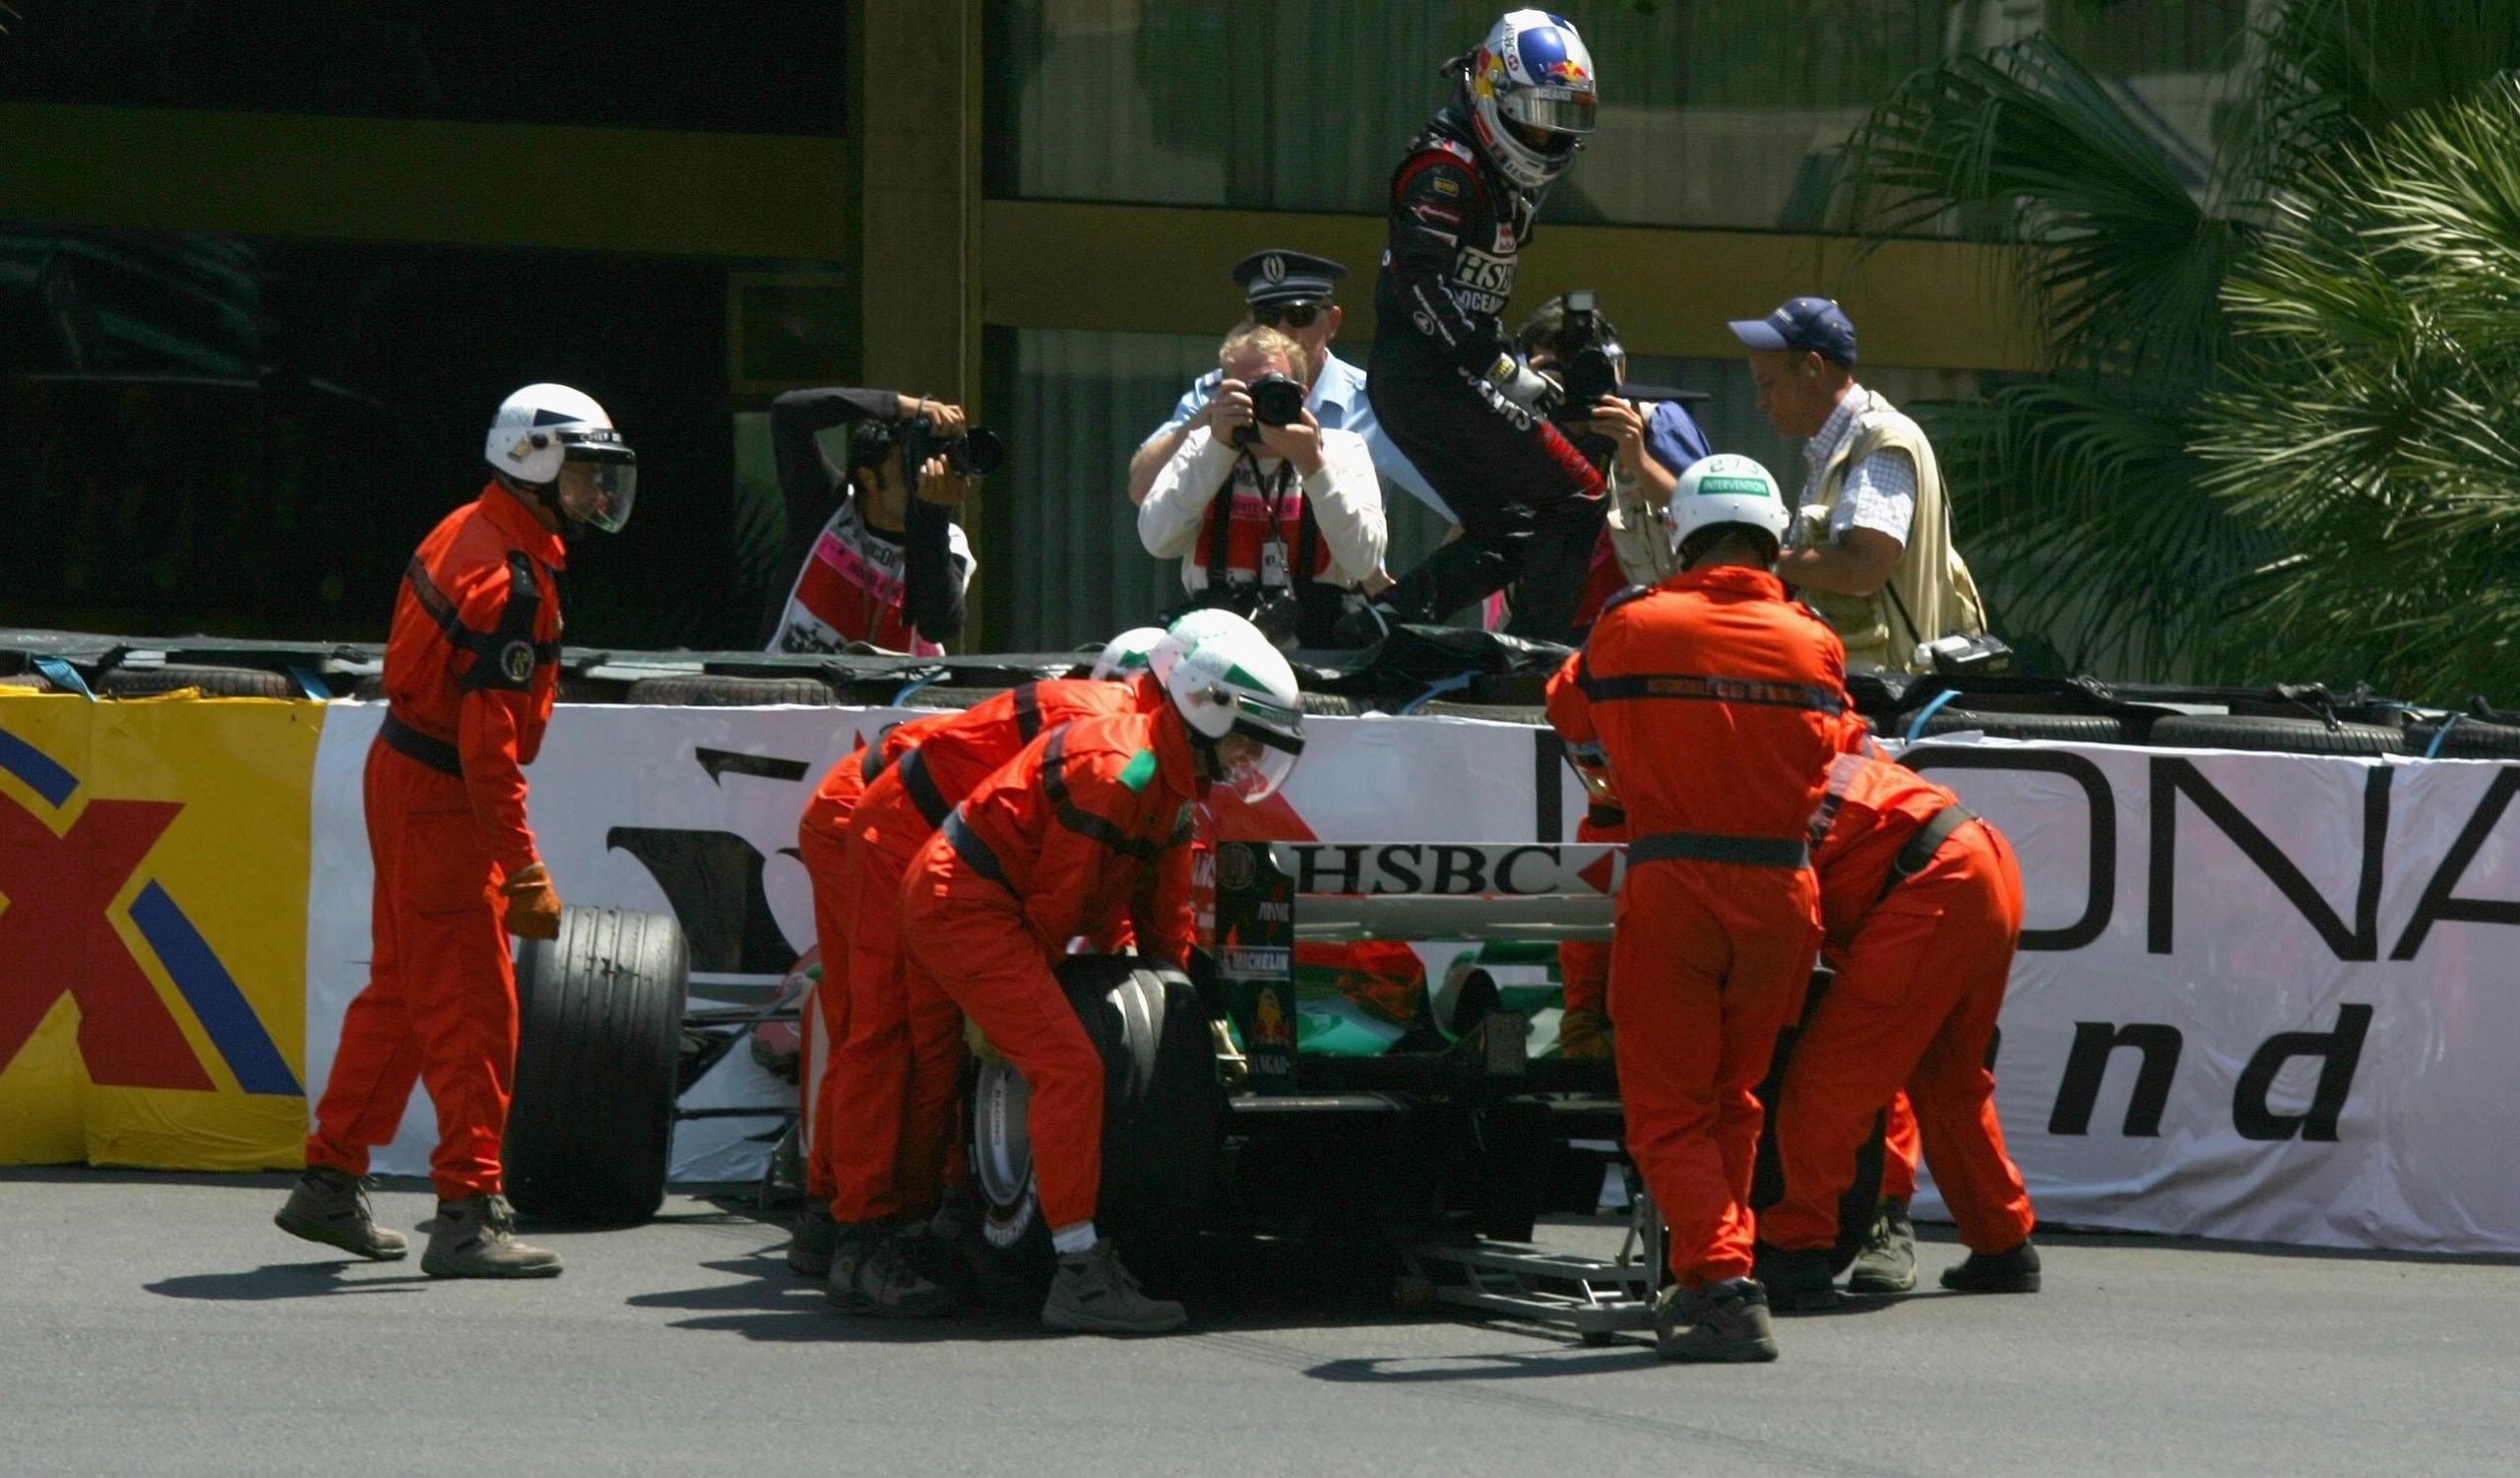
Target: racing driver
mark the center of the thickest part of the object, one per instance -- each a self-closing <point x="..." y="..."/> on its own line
<point x="1448" y="386"/>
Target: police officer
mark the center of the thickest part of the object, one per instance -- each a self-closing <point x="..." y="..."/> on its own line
<point x="471" y="667"/>
<point x="1291" y="291"/>
<point x="1446" y="381"/>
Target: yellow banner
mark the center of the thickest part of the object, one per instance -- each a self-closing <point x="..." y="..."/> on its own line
<point x="153" y="931"/>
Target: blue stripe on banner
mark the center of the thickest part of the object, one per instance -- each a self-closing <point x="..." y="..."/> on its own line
<point x="213" y="995"/>
<point x="37" y="769"/>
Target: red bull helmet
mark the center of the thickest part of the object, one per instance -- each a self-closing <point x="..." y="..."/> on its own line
<point x="1530" y="95"/>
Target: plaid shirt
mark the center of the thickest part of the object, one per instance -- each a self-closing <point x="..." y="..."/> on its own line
<point x="1880" y="492"/>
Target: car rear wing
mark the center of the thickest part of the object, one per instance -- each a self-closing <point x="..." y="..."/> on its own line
<point x="1530" y="893"/>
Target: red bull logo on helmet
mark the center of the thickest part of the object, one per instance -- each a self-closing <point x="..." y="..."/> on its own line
<point x="1550" y="56"/>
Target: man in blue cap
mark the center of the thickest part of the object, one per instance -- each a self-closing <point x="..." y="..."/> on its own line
<point x="1289" y="291"/>
<point x="1871" y="545"/>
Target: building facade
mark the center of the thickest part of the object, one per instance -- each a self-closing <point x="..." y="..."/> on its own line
<point x="268" y="265"/>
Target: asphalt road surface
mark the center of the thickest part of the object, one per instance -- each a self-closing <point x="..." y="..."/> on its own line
<point x="160" y="1324"/>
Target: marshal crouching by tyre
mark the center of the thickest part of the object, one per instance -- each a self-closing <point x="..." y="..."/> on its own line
<point x="1088" y="828"/>
<point x="470" y="670"/>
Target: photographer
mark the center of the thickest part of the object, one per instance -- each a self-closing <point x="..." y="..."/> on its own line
<point x="1871" y="547"/>
<point x="1640" y="442"/>
<point x="878" y="558"/>
<point x="1291" y="291"/>
<point x="1272" y="516"/>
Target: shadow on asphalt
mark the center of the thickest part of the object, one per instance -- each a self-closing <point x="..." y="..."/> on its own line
<point x="1485" y="1366"/>
<point x="769" y="1303"/>
<point x="283" y="1280"/>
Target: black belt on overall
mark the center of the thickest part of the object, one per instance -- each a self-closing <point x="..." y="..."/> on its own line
<point x="871" y="765"/>
<point x="921" y="789"/>
<point x="436" y="753"/>
<point x="1716" y="847"/>
<point x="973" y="852"/>
<point x="1913" y="857"/>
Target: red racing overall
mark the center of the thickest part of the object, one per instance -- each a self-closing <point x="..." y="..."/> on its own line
<point x="1922" y="907"/>
<point x="1716" y="705"/>
<point x="1089" y="825"/>
<point x="897" y="1071"/>
<point x="470" y="666"/>
<point x="822" y="845"/>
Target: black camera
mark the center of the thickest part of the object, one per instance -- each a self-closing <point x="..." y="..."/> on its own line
<point x="1276" y="401"/>
<point x="1966" y="656"/>
<point x="976" y="453"/>
<point x="1588" y="358"/>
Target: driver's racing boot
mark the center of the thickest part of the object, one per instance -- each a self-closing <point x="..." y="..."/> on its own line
<point x="1092" y="1293"/>
<point x="330" y="1207"/>
<point x="475" y="1238"/>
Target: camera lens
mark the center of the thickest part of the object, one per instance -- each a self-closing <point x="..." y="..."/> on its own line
<point x="981" y="452"/>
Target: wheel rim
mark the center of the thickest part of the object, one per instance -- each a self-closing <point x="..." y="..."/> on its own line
<point x="1002" y="1152"/>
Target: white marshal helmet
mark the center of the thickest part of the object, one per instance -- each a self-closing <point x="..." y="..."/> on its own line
<point x="1127" y="654"/>
<point x="1236" y="682"/>
<point x="1726" y="489"/>
<point x="1535" y="70"/>
<point x="1190" y="629"/>
<point x="543" y="430"/>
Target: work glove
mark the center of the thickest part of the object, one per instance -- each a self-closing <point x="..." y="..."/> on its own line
<point x="533" y="908"/>
<point x="1584" y="1036"/>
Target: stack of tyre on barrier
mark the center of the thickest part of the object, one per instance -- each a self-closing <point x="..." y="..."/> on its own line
<point x="1442" y="1135"/>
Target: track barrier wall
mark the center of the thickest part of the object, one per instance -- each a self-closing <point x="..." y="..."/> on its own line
<point x="2260" y="997"/>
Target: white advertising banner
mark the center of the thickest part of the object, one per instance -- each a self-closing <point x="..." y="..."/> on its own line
<point x="2256" y="996"/>
<point x="692" y="811"/>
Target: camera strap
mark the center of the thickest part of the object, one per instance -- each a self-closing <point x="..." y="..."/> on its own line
<point x="1916" y="639"/>
<point x="1273" y="496"/>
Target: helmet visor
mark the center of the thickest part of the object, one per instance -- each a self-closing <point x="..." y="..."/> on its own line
<point x="1564" y="113"/>
<point x="598" y="483"/>
<point x="1253" y="771"/>
<point x="1260" y="751"/>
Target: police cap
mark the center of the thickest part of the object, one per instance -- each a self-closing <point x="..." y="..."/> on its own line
<point x="1274" y="276"/>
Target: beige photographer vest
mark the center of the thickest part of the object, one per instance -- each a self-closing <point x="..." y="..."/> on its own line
<point x="1932" y="581"/>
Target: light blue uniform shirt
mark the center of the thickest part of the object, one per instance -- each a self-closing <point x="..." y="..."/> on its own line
<point x="1338" y="401"/>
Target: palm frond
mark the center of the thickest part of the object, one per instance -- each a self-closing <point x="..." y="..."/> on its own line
<point x="2020" y="144"/>
<point x="2365" y="420"/>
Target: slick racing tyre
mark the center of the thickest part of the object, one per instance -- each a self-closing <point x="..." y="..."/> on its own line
<point x="598" y="1045"/>
<point x="1162" y="1128"/>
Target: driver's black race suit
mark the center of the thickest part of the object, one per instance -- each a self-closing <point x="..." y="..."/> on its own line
<point x="1530" y="505"/>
